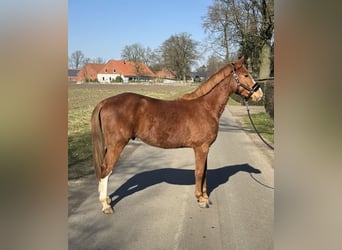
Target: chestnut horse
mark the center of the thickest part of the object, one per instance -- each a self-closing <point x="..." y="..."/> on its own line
<point x="191" y="120"/>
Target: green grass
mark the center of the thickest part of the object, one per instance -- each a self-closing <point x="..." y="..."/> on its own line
<point x="263" y="123"/>
<point x="232" y="102"/>
<point x="81" y="101"/>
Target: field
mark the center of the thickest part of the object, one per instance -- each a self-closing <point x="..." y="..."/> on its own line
<point x="82" y="98"/>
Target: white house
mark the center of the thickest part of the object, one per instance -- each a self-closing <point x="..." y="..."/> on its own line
<point x="127" y="70"/>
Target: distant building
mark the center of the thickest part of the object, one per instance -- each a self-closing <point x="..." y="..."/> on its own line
<point x="127" y="70"/>
<point x="200" y="76"/>
<point x="88" y="73"/>
<point x="107" y="73"/>
<point x="72" y="75"/>
<point x="165" y="75"/>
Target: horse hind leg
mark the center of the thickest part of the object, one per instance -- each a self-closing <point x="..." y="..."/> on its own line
<point x="104" y="199"/>
<point x="112" y="155"/>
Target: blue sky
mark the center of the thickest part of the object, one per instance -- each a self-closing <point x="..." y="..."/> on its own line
<point x="102" y="28"/>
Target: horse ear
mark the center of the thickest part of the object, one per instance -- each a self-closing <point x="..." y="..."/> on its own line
<point x="239" y="62"/>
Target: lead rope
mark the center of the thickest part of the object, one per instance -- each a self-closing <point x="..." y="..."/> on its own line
<point x="249" y="115"/>
<point x="250" y="174"/>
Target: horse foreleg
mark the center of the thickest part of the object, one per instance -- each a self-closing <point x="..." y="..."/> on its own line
<point x="204" y="182"/>
<point x="201" y="154"/>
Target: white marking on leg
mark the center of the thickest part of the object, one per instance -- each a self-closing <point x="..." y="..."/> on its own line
<point x="103" y="185"/>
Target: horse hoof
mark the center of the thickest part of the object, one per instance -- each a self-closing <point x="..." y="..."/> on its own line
<point x="108" y="200"/>
<point x="108" y="210"/>
<point x="203" y="204"/>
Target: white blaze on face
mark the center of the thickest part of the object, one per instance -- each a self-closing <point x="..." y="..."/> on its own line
<point x="258" y="94"/>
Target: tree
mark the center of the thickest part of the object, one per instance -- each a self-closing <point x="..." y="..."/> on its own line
<point x="179" y="52"/>
<point x="218" y="24"/>
<point x="148" y="56"/>
<point x="256" y="32"/>
<point x="156" y="60"/>
<point x="244" y="24"/>
<point x="98" y="60"/>
<point x="214" y="63"/>
<point x="76" y="59"/>
<point x="70" y="66"/>
<point x="135" y="53"/>
<point x="86" y="60"/>
<point x="266" y="8"/>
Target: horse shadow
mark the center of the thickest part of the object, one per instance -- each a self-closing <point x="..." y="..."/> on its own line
<point x="215" y="178"/>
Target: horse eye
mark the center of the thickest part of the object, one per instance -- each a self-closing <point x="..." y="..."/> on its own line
<point x="246" y="75"/>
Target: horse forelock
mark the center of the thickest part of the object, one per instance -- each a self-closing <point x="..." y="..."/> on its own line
<point x="209" y="84"/>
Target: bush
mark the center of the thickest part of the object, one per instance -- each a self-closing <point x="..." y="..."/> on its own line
<point x="269" y="98"/>
<point x="118" y="79"/>
<point x="90" y="80"/>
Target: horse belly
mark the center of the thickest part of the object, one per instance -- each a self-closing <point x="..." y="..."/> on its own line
<point x="173" y="124"/>
<point x="163" y="130"/>
<point x="164" y="136"/>
<point x="178" y="134"/>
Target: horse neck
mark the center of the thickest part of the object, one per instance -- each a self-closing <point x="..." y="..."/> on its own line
<point x="217" y="98"/>
<point x="208" y="85"/>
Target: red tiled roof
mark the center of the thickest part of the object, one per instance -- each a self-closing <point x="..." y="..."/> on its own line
<point x="89" y="71"/>
<point x="127" y="68"/>
<point x="165" y="73"/>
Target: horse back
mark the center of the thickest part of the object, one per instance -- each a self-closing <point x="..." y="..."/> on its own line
<point x="161" y="123"/>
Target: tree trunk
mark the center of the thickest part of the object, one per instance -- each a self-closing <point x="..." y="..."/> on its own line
<point x="226" y="45"/>
<point x="265" y="61"/>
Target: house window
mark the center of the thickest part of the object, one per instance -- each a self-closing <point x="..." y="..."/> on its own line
<point x="105" y="70"/>
<point x="103" y="78"/>
<point x="114" y="70"/>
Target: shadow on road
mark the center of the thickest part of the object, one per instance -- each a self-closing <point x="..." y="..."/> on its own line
<point x="215" y="178"/>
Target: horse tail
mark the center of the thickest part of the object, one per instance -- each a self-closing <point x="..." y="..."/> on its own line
<point x="97" y="140"/>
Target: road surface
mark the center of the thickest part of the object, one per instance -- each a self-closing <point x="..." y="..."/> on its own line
<point x="152" y="191"/>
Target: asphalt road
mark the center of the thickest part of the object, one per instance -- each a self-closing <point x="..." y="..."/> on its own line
<point x="152" y="191"/>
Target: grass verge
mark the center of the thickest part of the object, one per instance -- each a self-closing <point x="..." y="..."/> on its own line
<point x="263" y="123"/>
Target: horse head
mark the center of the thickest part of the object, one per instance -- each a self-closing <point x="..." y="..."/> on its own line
<point x="245" y="84"/>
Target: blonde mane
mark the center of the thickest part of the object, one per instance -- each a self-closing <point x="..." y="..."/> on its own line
<point x="209" y="84"/>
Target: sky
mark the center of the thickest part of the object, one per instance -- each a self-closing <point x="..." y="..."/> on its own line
<point x="102" y="28"/>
